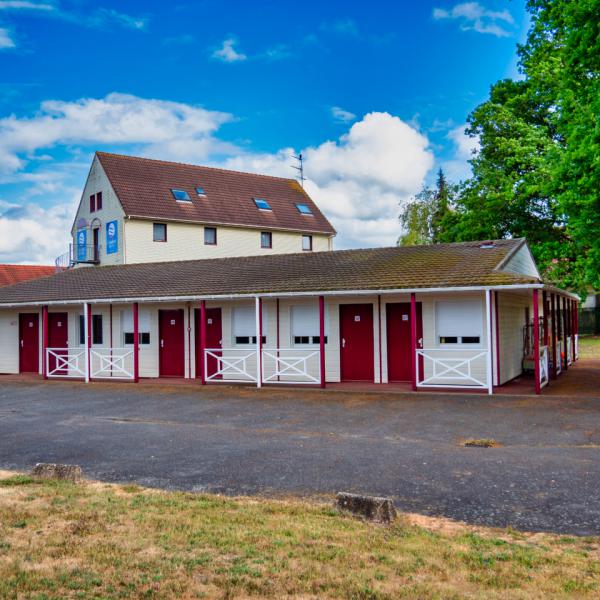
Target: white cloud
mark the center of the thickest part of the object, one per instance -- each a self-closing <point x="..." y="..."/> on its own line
<point x="6" y="40"/>
<point x="360" y="180"/>
<point x="170" y="128"/>
<point x="227" y="52"/>
<point x="465" y="147"/>
<point x="34" y="234"/>
<point x="25" y="5"/>
<point x="473" y="16"/>
<point x="108" y="16"/>
<point x="342" y="26"/>
<point x="341" y="115"/>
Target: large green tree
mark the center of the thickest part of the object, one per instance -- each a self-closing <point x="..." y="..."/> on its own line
<point x="424" y="218"/>
<point x="537" y="171"/>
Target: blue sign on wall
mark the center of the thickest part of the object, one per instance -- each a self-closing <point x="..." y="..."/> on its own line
<point x="112" y="237"/>
<point x="82" y="244"/>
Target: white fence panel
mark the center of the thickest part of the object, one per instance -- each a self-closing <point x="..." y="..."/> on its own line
<point x="65" y="362"/>
<point x="452" y="367"/>
<point x="111" y="363"/>
<point x="230" y="365"/>
<point x="291" y="365"/>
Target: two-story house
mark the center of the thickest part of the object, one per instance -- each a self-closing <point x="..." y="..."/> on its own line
<point x="136" y="210"/>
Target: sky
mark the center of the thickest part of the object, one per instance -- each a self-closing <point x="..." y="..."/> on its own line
<point x="375" y="95"/>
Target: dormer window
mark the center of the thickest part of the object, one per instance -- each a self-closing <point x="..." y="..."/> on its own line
<point x="304" y="209"/>
<point x="262" y="204"/>
<point x="180" y="195"/>
<point x="200" y="191"/>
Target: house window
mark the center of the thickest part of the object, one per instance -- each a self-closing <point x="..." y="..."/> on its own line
<point x="143" y="327"/>
<point x="200" y="191"/>
<point x="159" y="232"/>
<point x="459" y="322"/>
<point x="181" y="195"/>
<point x="306" y="326"/>
<point x="99" y="201"/>
<point x="96" y="329"/>
<point x="307" y="242"/>
<point x="93" y="203"/>
<point x="210" y="236"/>
<point x="304" y="209"/>
<point x="244" y="325"/>
<point x="262" y="204"/>
<point x="266" y="239"/>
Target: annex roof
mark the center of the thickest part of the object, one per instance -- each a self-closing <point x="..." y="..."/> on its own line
<point x="10" y="274"/>
<point x="145" y="190"/>
<point x="439" y="266"/>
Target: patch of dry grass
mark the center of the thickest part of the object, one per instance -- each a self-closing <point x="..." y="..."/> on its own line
<point x="92" y="540"/>
<point x="589" y="346"/>
<point x="480" y="443"/>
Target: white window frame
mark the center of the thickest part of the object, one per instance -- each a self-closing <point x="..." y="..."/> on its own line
<point x="459" y="343"/>
<point x="251" y="317"/>
<point x="144" y="324"/>
<point x="310" y="344"/>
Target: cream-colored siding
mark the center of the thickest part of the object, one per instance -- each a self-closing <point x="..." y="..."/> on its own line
<point x="186" y="242"/>
<point x="9" y="341"/>
<point x="111" y="210"/>
<point x="522" y="263"/>
<point x="511" y="309"/>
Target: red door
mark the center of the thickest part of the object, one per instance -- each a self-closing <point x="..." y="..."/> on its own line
<point x="58" y="337"/>
<point x="356" y="339"/>
<point x="214" y="338"/>
<point x="29" y="343"/>
<point x="398" y="339"/>
<point x="171" y="358"/>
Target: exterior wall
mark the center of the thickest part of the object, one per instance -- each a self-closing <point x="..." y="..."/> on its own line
<point x="511" y="313"/>
<point x="511" y="309"/>
<point x="9" y="341"/>
<point x="97" y="181"/>
<point x="522" y="263"/>
<point x="186" y="242"/>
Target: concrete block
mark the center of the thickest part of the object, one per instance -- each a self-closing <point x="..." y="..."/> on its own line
<point x="54" y="471"/>
<point x="372" y="508"/>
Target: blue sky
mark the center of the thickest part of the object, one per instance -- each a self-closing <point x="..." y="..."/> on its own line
<point x="375" y="95"/>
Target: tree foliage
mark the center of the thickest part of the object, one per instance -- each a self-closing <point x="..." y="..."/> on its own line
<point x="424" y="219"/>
<point x="537" y="171"/>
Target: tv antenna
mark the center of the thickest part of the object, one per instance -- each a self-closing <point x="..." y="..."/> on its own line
<point x="299" y="167"/>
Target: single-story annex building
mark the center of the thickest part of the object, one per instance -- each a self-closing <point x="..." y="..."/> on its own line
<point x="468" y="315"/>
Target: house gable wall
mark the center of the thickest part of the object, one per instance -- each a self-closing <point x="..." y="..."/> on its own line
<point x="97" y="181"/>
<point x="521" y="263"/>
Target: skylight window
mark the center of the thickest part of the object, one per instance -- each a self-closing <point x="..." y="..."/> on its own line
<point x="304" y="209"/>
<point x="200" y="191"/>
<point x="262" y="204"/>
<point x="181" y="195"/>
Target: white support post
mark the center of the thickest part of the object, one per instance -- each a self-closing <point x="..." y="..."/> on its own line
<point x="86" y="337"/>
<point x="258" y="342"/>
<point x="489" y="358"/>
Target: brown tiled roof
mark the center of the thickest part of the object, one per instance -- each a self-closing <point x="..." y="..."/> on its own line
<point x="144" y="188"/>
<point x="10" y="274"/>
<point x="444" y="265"/>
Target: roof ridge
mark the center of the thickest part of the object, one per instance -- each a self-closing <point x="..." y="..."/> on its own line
<point x="183" y="164"/>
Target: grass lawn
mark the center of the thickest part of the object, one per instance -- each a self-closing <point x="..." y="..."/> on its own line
<point x="589" y="346"/>
<point x="93" y="540"/>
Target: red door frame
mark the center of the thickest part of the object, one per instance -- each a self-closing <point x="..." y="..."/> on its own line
<point x="213" y="338"/>
<point x="171" y="349"/>
<point x="29" y="343"/>
<point x="357" y="344"/>
<point x="399" y="344"/>
<point x="58" y="337"/>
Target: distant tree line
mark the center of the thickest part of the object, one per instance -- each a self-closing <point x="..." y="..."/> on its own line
<point x="536" y="173"/>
